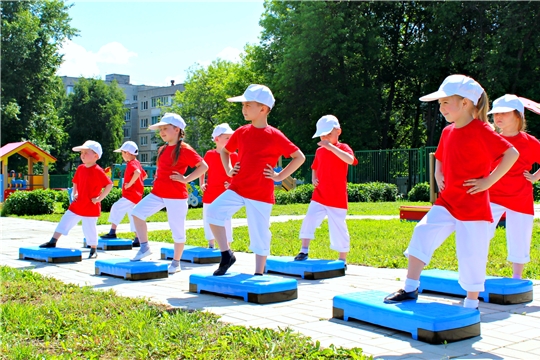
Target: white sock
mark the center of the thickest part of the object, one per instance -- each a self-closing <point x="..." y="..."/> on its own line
<point x="304" y="250"/>
<point x="470" y="304"/>
<point x="411" y="285"/>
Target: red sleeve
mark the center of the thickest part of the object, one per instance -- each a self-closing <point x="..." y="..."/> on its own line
<point x="439" y="153"/>
<point x="234" y="158"/>
<point x="104" y="180"/>
<point x="192" y="158"/>
<point x="348" y="150"/>
<point x="495" y="144"/>
<point x="535" y="148"/>
<point x="286" y="146"/>
<point x="76" y="177"/>
<point x="232" y="144"/>
<point x="315" y="161"/>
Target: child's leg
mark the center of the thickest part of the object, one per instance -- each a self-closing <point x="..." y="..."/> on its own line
<point x="132" y="226"/>
<point x="519" y="228"/>
<point x="339" y="234"/>
<point x="207" y="231"/>
<point x="67" y="222"/>
<point x="229" y="232"/>
<point x="118" y="211"/>
<point x="176" y="214"/>
<point x="258" y="219"/>
<point x="313" y="219"/>
<point x="89" y="227"/>
<point x="149" y="205"/>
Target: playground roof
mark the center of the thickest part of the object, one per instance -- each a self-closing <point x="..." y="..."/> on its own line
<point x="25" y="149"/>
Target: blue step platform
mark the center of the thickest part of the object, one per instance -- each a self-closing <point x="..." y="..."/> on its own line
<point x="51" y="255"/>
<point x="132" y="270"/>
<point x="426" y="321"/>
<point x="256" y="289"/>
<point x="194" y="254"/>
<point x="310" y="269"/>
<point x="112" y="244"/>
<point x="498" y="290"/>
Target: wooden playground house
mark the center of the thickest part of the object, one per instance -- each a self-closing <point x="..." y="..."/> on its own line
<point x="12" y="181"/>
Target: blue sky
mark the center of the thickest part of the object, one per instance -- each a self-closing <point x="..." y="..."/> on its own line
<point x="155" y="42"/>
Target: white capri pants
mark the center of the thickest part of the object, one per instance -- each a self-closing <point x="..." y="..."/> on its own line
<point x="519" y="227"/>
<point x="119" y="210"/>
<point x="176" y="213"/>
<point x="208" y="232"/>
<point x="89" y="226"/>
<point x="258" y="218"/>
<point x="472" y="244"/>
<point x="339" y="234"/>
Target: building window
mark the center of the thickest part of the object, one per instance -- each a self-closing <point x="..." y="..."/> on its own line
<point x="161" y="101"/>
<point x="126" y="132"/>
<point x="144" y="157"/>
<point x="135" y="97"/>
<point x="144" y="105"/>
<point x="127" y="117"/>
<point x="155" y="119"/>
<point x="144" y="123"/>
<point x="144" y="140"/>
<point x="69" y="90"/>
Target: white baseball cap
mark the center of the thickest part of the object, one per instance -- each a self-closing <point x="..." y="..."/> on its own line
<point x="130" y="147"/>
<point x="461" y="85"/>
<point x="258" y="93"/>
<point x="170" y="119"/>
<point x="221" y="129"/>
<point x="507" y="103"/>
<point x="90" y="145"/>
<point x="326" y="124"/>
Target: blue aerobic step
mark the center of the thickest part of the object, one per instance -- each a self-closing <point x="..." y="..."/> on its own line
<point x="112" y="244"/>
<point x="256" y="289"/>
<point x="426" y="321"/>
<point x="194" y="254"/>
<point x="498" y="290"/>
<point x="51" y="255"/>
<point x="310" y="269"/>
<point x="132" y="270"/>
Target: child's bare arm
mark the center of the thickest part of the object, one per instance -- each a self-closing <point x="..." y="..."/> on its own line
<point x="200" y="169"/>
<point x="478" y="185"/>
<point x="202" y="183"/>
<point x="226" y="160"/>
<point x="314" y="179"/>
<point x="104" y="193"/>
<point x="532" y="177"/>
<point x="298" y="159"/>
<point x="134" y="178"/>
<point x="439" y="177"/>
<point x="344" y="156"/>
<point x="74" y="193"/>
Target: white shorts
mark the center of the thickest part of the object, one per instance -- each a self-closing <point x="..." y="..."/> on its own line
<point x="208" y="232"/>
<point x="89" y="226"/>
<point x="176" y="213"/>
<point x="119" y="210"/>
<point x="257" y="213"/>
<point x="472" y="244"/>
<point x="519" y="228"/>
<point x="339" y="234"/>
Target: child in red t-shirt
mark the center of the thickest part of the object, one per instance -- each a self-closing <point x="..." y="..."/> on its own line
<point x="217" y="181"/>
<point x="132" y="190"/>
<point x="169" y="189"/>
<point x="463" y="173"/>
<point x="513" y="193"/>
<point x="329" y="177"/>
<point x="90" y="186"/>
<point x="259" y="147"/>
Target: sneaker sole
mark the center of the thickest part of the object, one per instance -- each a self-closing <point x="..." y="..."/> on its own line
<point x="142" y="257"/>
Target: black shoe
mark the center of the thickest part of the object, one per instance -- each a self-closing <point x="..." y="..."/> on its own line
<point x="301" y="257"/>
<point x="222" y="269"/>
<point x="136" y="244"/>
<point x="93" y="254"/>
<point x="400" y="296"/>
<point x="108" y="236"/>
<point x="48" y="244"/>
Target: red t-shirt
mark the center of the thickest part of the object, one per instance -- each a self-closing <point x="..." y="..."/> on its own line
<point x="135" y="192"/>
<point x="90" y="183"/>
<point x="216" y="176"/>
<point x="513" y="190"/>
<point x="164" y="186"/>
<point x="331" y="172"/>
<point x="467" y="153"/>
<point x="257" y="147"/>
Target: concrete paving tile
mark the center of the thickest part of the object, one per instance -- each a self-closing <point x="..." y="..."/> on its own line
<point x="526" y="346"/>
<point x="507" y="353"/>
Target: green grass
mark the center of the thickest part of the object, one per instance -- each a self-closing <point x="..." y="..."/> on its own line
<point x="43" y="318"/>
<point x="376" y="243"/>
<point x="374" y="208"/>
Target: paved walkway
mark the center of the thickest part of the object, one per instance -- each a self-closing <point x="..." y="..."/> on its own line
<point x="508" y="332"/>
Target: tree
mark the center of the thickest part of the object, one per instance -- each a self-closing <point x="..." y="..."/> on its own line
<point x="95" y="111"/>
<point x="32" y="32"/>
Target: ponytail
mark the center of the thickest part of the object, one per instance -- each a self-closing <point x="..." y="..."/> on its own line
<point x="482" y="108"/>
<point x="178" y="146"/>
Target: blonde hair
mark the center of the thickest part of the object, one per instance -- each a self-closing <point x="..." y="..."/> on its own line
<point x="176" y="152"/>
<point x="482" y="108"/>
<point x="521" y="119"/>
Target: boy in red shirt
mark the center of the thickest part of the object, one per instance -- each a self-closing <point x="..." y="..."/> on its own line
<point x="132" y="190"/>
<point x="329" y="177"/>
<point x="90" y="186"/>
<point x="259" y="147"/>
<point x="217" y="180"/>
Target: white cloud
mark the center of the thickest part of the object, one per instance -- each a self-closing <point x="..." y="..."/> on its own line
<point x="230" y="54"/>
<point x="114" y="53"/>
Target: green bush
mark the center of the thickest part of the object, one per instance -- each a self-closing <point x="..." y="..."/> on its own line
<point x="283" y="197"/>
<point x="536" y="191"/>
<point x="419" y="192"/>
<point x="302" y="194"/>
<point x="36" y="202"/>
<point x="114" y="196"/>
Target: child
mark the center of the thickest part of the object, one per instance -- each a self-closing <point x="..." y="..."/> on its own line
<point x="169" y="189"/>
<point x="463" y="162"/>
<point x="259" y="147"/>
<point x="132" y="190"/>
<point x="90" y="186"/>
<point x="513" y="193"/>
<point x="217" y="180"/>
<point x="329" y="177"/>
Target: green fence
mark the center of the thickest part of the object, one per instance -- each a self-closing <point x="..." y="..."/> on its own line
<point x="60" y="181"/>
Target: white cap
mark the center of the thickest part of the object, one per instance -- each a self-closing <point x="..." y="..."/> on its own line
<point x="221" y="129"/>
<point x="507" y="103"/>
<point x="170" y="119"/>
<point x="130" y="147"/>
<point x="326" y="124"/>
<point x="461" y="85"/>
<point x="90" y="145"/>
<point x="258" y="93"/>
